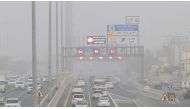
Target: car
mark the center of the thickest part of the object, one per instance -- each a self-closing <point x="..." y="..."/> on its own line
<point x="81" y="82"/>
<point x="103" y="101"/>
<point x="12" y="102"/>
<point x="104" y="90"/>
<point x="77" y="91"/>
<point x="77" y="97"/>
<point x="2" y="99"/>
<point x="39" y="86"/>
<point x="30" y="87"/>
<point x="20" y="84"/>
<point x="96" y="94"/>
<point x="109" y="85"/>
<point x="12" y="82"/>
<point x="81" y="103"/>
<point x="116" y="80"/>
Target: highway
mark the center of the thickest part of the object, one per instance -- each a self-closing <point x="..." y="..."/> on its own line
<point x="22" y="95"/>
<point x="67" y="98"/>
<point x="128" y="94"/>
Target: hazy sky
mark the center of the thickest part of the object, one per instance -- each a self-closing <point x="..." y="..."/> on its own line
<point x="157" y="20"/>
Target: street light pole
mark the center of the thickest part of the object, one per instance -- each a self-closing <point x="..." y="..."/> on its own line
<point x="62" y="37"/>
<point x="57" y="61"/>
<point x="34" y="52"/>
<point x="49" y="54"/>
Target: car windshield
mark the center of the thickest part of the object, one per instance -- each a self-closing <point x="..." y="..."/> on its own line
<point x="78" y="96"/>
<point x="12" y="101"/>
<point x="103" y="89"/>
<point x="97" y="91"/>
<point x="81" y="103"/>
<point x="19" y="83"/>
<point x="103" y="98"/>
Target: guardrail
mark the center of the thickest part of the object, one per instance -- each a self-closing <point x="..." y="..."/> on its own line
<point x="55" y="100"/>
<point x="45" y="101"/>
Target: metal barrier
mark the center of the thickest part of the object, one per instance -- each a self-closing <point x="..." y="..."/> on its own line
<point x="55" y="100"/>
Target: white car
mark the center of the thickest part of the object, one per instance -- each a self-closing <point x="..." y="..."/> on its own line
<point x="77" y="97"/>
<point x="104" y="90"/>
<point x="30" y="87"/>
<point x="81" y="103"/>
<point x="81" y="83"/>
<point x="103" y="101"/>
<point x="109" y="85"/>
<point x="12" y="102"/>
<point x="77" y="91"/>
<point x="20" y="84"/>
<point x="97" y="94"/>
<point x="2" y="99"/>
<point x="12" y="82"/>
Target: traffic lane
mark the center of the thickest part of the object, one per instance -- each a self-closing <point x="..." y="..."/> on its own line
<point x="95" y="101"/>
<point x="126" y="91"/>
<point x="27" y="100"/>
<point x="24" y="97"/>
<point x="145" y="100"/>
<point x="9" y="88"/>
<point x="86" y="93"/>
<point x="123" y="103"/>
<point x="185" y="103"/>
<point x="65" y="96"/>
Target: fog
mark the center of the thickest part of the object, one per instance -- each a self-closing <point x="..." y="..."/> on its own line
<point x="158" y="20"/>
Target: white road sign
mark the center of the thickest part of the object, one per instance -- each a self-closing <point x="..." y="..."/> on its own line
<point x="132" y="19"/>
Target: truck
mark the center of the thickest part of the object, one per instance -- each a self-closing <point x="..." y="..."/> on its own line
<point x="2" y="82"/>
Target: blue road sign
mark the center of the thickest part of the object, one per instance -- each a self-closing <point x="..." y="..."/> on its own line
<point x="126" y="27"/>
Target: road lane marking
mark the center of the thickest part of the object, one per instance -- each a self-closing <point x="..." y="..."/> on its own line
<point x="138" y="104"/>
<point x="115" y="104"/>
<point x="66" y="102"/>
<point x="125" y="98"/>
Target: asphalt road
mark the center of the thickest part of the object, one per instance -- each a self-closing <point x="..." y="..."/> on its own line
<point x="128" y="94"/>
<point x="67" y="98"/>
<point x="22" y="95"/>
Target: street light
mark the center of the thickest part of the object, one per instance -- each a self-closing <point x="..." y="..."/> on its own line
<point x="90" y="57"/>
<point x="110" y="57"/>
<point x="120" y="57"/>
<point x="81" y="58"/>
<point x="101" y="57"/>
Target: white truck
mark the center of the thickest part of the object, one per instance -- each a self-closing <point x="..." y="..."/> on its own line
<point x="2" y="82"/>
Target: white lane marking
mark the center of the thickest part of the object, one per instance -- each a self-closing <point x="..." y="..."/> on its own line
<point x="89" y="93"/>
<point x="115" y="104"/>
<point x="125" y="98"/>
<point x="138" y="104"/>
<point x="66" y="102"/>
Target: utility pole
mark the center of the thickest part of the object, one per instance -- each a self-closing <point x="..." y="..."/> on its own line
<point x="34" y="52"/>
<point x="57" y="56"/>
<point x="49" y="54"/>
